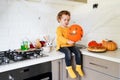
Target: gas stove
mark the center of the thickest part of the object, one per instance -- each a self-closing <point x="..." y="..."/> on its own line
<point x="9" y="56"/>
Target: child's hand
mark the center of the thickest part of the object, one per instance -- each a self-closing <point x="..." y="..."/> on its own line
<point x="70" y="42"/>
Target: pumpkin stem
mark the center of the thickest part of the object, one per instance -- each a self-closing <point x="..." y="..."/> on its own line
<point x="110" y="41"/>
<point x="103" y="41"/>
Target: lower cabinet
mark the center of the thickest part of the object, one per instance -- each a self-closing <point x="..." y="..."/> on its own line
<point x="100" y="69"/>
<point x="95" y="75"/>
<point x="94" y="69"/>
<point x="59" y="71"/>
<point x="65" y="73"/>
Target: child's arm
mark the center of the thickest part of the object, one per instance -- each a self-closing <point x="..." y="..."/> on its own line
<point x="61" y="37"/>
<point x="70" y="42"/>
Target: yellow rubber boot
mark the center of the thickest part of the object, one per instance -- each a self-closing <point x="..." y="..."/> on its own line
<point x="79" y="70"/>
<point x="71" y="72"/>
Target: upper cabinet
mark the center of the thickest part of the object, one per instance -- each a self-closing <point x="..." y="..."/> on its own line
<point x="85" y="1"/>
<point x="68" y="2"/>
<point x="58" y="0"/>
<point x="65" y="2"/>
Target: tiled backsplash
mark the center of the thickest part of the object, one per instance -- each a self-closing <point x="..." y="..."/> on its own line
<point x="20" y="20"/>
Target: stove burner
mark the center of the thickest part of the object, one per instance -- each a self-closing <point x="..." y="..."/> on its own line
<point x="14" y="56"/>
<point x="4" y="60"/>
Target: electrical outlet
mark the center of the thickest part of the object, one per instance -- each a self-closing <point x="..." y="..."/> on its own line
<point x="39" y="18"/>
<point x="95" y="5"/>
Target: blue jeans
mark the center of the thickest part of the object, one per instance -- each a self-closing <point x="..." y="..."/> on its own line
<point x="68" y="55"/>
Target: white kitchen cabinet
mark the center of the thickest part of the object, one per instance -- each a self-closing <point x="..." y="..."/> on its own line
<point x="95" y="75"/>
<point x="65" y="73"/>
<point x="59" y="71"/>
<point x="100" y="69"/>
<point x="85" y="1"/>
<point x="67" y="1"/>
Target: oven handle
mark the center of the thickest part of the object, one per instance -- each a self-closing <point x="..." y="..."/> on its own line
<point x="25" y="70"/>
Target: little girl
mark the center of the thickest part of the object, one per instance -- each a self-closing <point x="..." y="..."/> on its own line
<point x="66" y="46"/>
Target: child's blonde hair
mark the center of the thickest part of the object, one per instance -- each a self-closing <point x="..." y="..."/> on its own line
<point x="63" y="12"/>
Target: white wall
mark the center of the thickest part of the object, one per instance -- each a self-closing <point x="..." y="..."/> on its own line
<point x="20" y="19"/>
<point x="101" y="23"/>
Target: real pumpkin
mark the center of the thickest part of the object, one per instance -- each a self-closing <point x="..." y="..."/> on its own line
<point x="92" y="43"/>
<point x="109" y="45"/>
<point x="75" y="32"/>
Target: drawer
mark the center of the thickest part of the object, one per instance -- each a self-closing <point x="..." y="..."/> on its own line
<point x="95" y="75"/>
<point x="101" y="65"/>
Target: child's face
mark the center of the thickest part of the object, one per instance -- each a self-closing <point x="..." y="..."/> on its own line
<point x="64" y="21"/>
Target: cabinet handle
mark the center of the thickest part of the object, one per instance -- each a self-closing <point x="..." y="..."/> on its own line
<point x="59" y="70"/>
<point x="98" y="65"/>
<point x="66" y="74"/>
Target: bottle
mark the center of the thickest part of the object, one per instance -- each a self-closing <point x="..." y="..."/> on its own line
<point x="22" y="46"/>
<point x="25" y="43"/>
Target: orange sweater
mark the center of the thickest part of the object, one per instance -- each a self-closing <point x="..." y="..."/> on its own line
<point x="62" y="37"/>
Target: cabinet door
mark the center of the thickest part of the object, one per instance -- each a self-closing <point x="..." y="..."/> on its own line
<point x="101" y="65"/>
<point x="65" y="73"/>
<point x="57" y="70"/>
<point x="95" y="75"/>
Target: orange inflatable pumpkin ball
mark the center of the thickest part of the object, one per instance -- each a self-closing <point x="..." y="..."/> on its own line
<point x="75" y="32"/>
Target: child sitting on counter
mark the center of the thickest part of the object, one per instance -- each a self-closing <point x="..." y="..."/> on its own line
<point x="67" y="46"/>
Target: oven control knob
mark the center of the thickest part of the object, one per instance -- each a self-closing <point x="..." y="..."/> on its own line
<point x="10" y="77"/>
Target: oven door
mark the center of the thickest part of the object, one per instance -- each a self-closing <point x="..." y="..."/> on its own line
<point x="40" y="71"/>
<point x="44" y="76"/>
